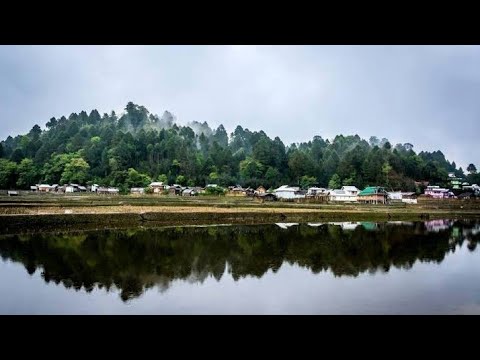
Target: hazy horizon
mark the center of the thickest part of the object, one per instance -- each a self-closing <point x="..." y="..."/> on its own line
<point x="425" y="95"/>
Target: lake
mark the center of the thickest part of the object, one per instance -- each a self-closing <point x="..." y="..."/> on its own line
<point x="430" y="267"/>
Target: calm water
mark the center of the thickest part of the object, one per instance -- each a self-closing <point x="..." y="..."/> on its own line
<point x="337" y="268"/>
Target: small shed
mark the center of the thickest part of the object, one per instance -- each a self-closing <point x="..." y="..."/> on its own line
<point x="137" y="191"/>
<point x="12" y="193"/>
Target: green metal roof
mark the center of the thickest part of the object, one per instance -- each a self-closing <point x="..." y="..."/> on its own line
<point x="371" y="190"/>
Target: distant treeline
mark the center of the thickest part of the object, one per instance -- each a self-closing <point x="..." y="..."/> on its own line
<point x="137" y="147"/>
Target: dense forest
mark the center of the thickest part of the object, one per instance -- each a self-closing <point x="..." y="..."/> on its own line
<point x="137" y="147"/>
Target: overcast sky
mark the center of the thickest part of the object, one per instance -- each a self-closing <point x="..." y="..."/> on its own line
<point x="426" y="95"/>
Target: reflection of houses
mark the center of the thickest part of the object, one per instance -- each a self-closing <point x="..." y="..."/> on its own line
<point x="348" y="225"/>
<point x="437" y="192"/>
<point x="285" y="225"/>
<point x="287" y="192"/>
<point x="368" y="225"/>
<point x="372" y="195"/>
<point x="438" y="225"/>
<point x="345" y="194"/>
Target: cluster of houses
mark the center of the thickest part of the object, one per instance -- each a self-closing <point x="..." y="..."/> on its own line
<point x="175" y="189"/>
<point x="457" y="188"/>
<point x="346" y="194"/>
<point x="73" y="188"/>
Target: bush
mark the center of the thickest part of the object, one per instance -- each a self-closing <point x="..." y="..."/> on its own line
<point x="217" y="190"/>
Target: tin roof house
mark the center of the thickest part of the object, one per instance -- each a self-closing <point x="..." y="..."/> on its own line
<point x="287" y="192"/>
<point x="373" y="195"/>
<point x="345" y="194"/>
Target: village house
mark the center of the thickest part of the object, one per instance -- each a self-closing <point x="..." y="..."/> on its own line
<point x="394" y="196"/>
<point x="175" y="189"/>
<point x="157" y="187"/>
<point x="71" y="188"/>
<point x="113" y="191"/>
<point x="373" y="195"/>
<point x="318" y="194"/>
<point x="437" y="192"/>
<point x="345" y="194"/>
<point x="409" y="197"/>
<point x="189" y="192"/>
<point x="107" y="190"/>
<point x="287" y="192"/>
<point x="33" y="188"/>
<point x="44" y="188"/>
<point x="260" y="190"/>
<point x="474" y="188"/>
<point x="236" y="191"/>
<point x="138" y="191"/>
<point x="314" y="191"/>
<point x="249" y="192"/>
<point x="454" y="182"/>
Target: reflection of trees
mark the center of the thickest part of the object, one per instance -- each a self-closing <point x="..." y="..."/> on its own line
<point x="137" y="260"/>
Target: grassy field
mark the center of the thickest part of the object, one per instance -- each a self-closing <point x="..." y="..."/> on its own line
<point x="44" y="212"/>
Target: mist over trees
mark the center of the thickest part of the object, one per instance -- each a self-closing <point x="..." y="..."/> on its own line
<point x="136" y="147"/>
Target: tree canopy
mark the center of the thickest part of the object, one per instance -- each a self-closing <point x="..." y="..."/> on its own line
<point x="136" y="146"/>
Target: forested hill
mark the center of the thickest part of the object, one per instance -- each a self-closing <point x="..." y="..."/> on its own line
<point x="135" y="147"/>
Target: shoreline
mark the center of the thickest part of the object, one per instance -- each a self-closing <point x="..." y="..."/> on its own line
<point x="31" y="214"/>
<point x="18" y="224"/>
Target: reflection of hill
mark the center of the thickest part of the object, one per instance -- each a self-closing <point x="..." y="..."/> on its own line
<point x="136" y="260"/>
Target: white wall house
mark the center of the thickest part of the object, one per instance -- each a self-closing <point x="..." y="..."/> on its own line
<point x="287" y="192"/>
<point x="345" y="194"/>
<point x="315" y="191"/>
<point x="409" y="197"/>
<point x="395" y="195"/>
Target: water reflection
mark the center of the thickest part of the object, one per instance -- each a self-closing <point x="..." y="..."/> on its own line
<point x="136" y="260"/>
